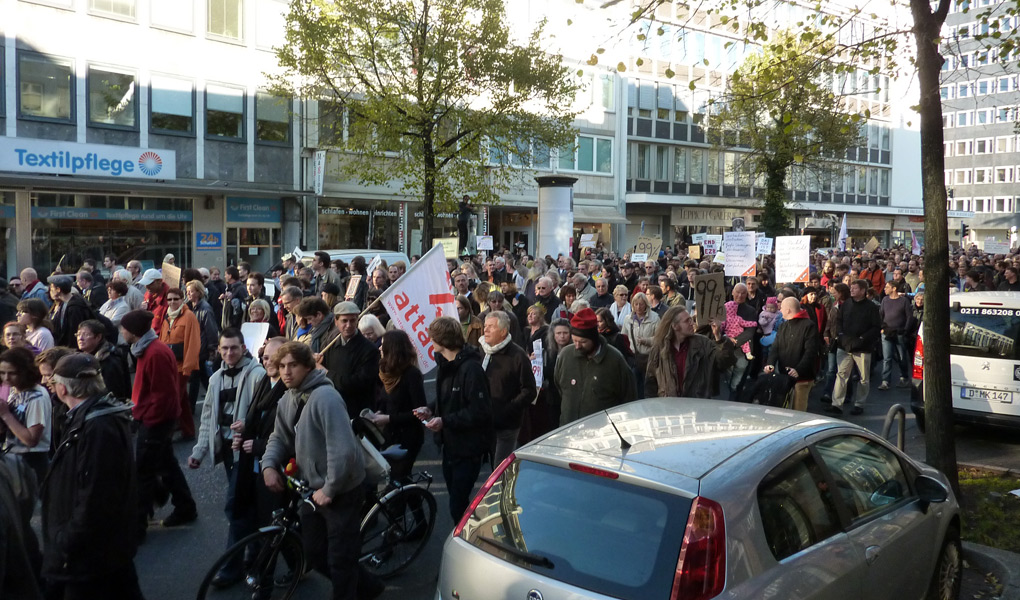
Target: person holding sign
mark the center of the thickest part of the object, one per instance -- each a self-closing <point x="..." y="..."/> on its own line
<point x="685" y="363"/>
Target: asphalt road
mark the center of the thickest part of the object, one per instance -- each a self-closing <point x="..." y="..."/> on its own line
<point x="172" y="563"/>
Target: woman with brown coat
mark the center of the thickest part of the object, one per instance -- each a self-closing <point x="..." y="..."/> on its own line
<point x="182" y="333"/>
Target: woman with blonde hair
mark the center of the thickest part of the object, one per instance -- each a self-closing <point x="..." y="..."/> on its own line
<point x="260" y="312"/>
<point x="639" y="327"/>
<point x="371" y="328"/>
<point x="620" y="307"/>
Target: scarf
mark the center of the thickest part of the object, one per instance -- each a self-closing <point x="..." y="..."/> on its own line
<point x="138" y="348"/>
<point x="389" y="380"/>
<point x="172" y="315"/>
<point x="490" y="350"/>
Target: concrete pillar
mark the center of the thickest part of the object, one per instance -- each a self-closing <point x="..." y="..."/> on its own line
<point x="555" y="214"/>
<point x="23" y="228"/>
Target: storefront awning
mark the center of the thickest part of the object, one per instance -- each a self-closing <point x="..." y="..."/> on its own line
<point x="598" y="214"/>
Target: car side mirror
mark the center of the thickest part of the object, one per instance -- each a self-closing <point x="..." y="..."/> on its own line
<point x="930" y="490"/>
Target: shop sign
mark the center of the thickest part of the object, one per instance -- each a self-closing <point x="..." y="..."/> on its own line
<point x="24" y="155"/>
<point x="108" y="214"/>
<point x="343" y="210"/>
<point x="443" y="215"/>
<point x="403" y="225"/>
<point x="253" y="210"/>
<point x="717" y="217"/>
<point x="208" y="240"/>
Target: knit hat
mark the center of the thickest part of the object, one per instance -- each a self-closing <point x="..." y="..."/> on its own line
<point x="77" y="365"/>
<point x="137" y="322"/>
<point x="772" y="300"/>
<point x="585" y="324"/>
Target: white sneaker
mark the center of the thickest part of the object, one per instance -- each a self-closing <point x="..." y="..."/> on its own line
<point x="884" y="386"/>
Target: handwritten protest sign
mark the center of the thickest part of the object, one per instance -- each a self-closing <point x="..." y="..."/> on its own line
<point x="711" y="245"/>
<point x="649" y="246"/>
<point x="588" y="240"/>
<point x="352" y="287"/>
<point x="740" y="253"/>
<point x="872" y="244"/>
<point x="765" y="245"/>
<point x="171" y="275"/>
<point x="793" y="254"/>
<point x="710" y="298"/>
<point x="449" y="246"/>
<point x="697" y="238"/>
<point x="694" y="252"/>
<point x="485" y="242"/>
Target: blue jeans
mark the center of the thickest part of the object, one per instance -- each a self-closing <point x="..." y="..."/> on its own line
<point x="894" y="350"/>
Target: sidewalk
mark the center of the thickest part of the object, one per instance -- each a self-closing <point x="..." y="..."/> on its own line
<point x="1004" y="565"/>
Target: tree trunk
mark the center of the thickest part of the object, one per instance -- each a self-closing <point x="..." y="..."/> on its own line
<point x="940" y="445"/>
<point x="775" y="219"/>
<point x="428" y="197"/>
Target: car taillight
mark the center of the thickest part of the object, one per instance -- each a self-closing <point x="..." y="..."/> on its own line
<point x="919" y="359"/>
<point x="482" y="492"/>
<point x="701" y="570"/>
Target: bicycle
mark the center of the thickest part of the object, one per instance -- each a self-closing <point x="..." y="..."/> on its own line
<point x="397" y="525"/>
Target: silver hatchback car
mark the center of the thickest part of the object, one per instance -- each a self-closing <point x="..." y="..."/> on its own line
<point x="684" y="499"/>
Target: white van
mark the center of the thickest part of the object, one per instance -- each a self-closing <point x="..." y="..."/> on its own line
<point x="984" y="346"/>
<point x="307" y="256"/>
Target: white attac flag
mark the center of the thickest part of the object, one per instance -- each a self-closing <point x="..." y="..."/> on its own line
<point x="842" y="234"/>
<point x="419" y="297"/>
<point x="915" y="247"/>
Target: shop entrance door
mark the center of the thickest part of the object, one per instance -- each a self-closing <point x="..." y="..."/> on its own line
<point x="259" y="246"/>
<point x="517" y="238"/>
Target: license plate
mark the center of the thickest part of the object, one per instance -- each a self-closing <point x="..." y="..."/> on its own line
<point x="989" y="395"/>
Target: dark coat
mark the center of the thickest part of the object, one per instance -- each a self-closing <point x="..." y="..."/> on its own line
<point x="859" y="326"/>
<point x="462" y="401"/>
<point x="66" y="321"/>
<point x="251" y="492"/>
<point x="89" y="496"/>
<point x="19" y="549"/>
<point x="705" y="360"/>
<point x="404" y="428"/>
<point x="354" y="370"/>
<point x="113" y="363"/>
<point x="511" y="386"/>
<point x="589" y="385"/>
<point x="797" y="345"/>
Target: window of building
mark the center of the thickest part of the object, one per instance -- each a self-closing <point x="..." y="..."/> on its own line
<point x="947" y="149"/>
<point x="697" y="171"/>
<point x="883" y="182"/>
<point x="983" y="175"/>
<point x="984" y="87"/>
<point x="272" y="118"/>
<point x="226" y="18"/>
<point x="714" y="164"/>
<point x="585" y="153"/>
<point x="983" y="116"/>
<point x="120" y="8"/>
<point x="1004" y="84"/>
<point x="605" y="91"/>
<point x="1004" y="175"/>
<point x="172" y="102"/>
<point x="1003" y="144"/>
<point x="963" y="176"/>
<point x="45" y="88"/>
<point x="644" y="166"/>
<point x="270" y="23"/>
<point x="175" y="16"/>
<point x="948" y="120"/>
<point x="983" y="146"/>
<point x="979" y="205"/>
<point x="679" y="164"/>
<point x="965" y="118"/>
<point x="1004" y="205"/>
<point x="661" y="163"/>
<point x="963" y="90"/>
<point x="964" y="148"/>
<point x="946" y="92"/>
<point x="111" y="95"/>
<point x="603" y="155"/>
<point x="224" y="112"/>
<point x="982" y="57"/>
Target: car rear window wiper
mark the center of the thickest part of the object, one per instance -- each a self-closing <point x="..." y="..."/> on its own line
<point x="530" y="557"/>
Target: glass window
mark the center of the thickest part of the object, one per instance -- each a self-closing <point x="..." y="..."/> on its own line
<point x="44" y="88"/>
<point x="606" y="91"/>
<point x="172" y="104"/>
<point x="226" y="18"/>
<point x="540" y="156"/>
<point x="600" y="534"/>
<point x="111" y="97"/>
<point x="566" y="158"/>
<point x="795" y="512"/>
<point x="585" y="153"/>
<point x="270" y="23"/>
<point x="661" y="163"/>
<point x="224" y="112"/>
<point x="604" y="155"/>
<point x="869" y="477"/>
<point x="123" y="8"/>
<point x="697" y="165"/>
<point x="679" y="164"/>
<point x="884" y="183"/>
<point x="644" y="168"/>
<point x="272" y="118"/>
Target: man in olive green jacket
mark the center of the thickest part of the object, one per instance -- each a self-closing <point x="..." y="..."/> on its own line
<point x="591" y="375"/>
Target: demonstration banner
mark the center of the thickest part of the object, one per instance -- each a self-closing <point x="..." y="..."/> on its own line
<point x="419" y="297"/>
<point x="793" y="256"/>
<point x="710" y="298"/>
<point x="740" y="247"/>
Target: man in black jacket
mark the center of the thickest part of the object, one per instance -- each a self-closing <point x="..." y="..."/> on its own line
<point x="461" y="415"/>
<point x="511" y="382"/>
<point x="112" y="360"/>
<point x="795" y="351"/>
<point x="859" y="327"/>
<point x="89" y="497"/>
<point x="68" y="311"/>
<point x="353" y="361"/>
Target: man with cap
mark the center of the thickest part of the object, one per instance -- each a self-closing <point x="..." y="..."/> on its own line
<point x="227" y="400"/>
<point x="353" y="361"/>
<point x="89" y="501"/>
<point x="155" y="296"/>
<point x="591" y="375"/>
<point x="67" y="312"/>
<point x="156" y="395"/>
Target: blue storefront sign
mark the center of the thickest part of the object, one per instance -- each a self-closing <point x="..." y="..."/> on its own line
<point x="253" y="210"/>
<point x="108" y="214"/>
<point x="208" y="240"/>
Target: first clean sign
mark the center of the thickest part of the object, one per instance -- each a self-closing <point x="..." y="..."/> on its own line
<point x="23" y="155"/>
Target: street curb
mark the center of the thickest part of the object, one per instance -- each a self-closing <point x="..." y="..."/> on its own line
<point x="1004" y="565"/>
<point x="990" y="469"/>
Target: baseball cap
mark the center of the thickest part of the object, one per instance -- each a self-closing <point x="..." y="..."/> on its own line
<point x="149" y="276"/>
<point x="77" y="365"/>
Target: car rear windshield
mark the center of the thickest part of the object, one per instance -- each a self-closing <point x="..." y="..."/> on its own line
<point x="593" y="532"/>
<point x="985" y="332"/>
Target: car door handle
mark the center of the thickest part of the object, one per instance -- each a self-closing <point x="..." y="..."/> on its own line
<point x="871" y="553"/>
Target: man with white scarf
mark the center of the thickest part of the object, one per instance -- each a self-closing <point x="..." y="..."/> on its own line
<point x="511" y="382"/>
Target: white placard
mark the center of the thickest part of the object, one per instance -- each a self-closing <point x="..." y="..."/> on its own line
<point x="740" y="253"/>
<point x="537" y="366"/>
<point x="638" y="257"/>
<point x="992" y="247"/>
<point x="588" y="240"/>
<point x="765" y="245"/>
<point x="255" y="335"/>
<point x="697" y="238"/>
<point x="793" y="256"/>
<point x="484" y="242"/>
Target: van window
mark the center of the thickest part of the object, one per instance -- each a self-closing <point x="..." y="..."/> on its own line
<point x="600" y="534"/>
<point x="985" y="332"/>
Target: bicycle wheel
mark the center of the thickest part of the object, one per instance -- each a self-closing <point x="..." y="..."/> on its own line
<point x="259" y="556"/>
<point x="396" y="529"/>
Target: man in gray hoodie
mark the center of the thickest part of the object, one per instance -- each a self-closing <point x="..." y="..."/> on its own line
<point x="312" y="425"/>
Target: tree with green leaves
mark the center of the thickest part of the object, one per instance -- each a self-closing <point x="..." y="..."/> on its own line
<point x="435" y="95"/>
<point x="780" y="108"/>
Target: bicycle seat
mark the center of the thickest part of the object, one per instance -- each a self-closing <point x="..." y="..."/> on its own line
<point x="394" y="452"/>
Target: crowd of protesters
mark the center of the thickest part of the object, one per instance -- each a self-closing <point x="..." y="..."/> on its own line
<point x="103" y="370"/>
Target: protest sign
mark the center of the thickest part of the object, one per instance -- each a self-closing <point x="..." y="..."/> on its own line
<point x="537" y="366"/>
<point x="372" y="266"/>
<point x="649" y="246"/>
<point x="697" y="238"/>
<point x="740" y="253"/>
<point x="352" y="287"/>
<point x="711" y="246"/>
<point x="449" y="245"/>
<point x="792" y="258"/>
<point x="254" y="335"/>
<point x="171" y="275"/>
<point x="872" y="244"/>
<point x="638" y="257"/>
<point x="709" y="298"/>
<point x="485" y="242"/>
<point x="694" y="252"/>
<point x="993" y="247"/>
<point x="419" y="297"/>
<point x="765" y="245"/>
<point x="718" y="258"/>
<point x="588" y="240"/>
